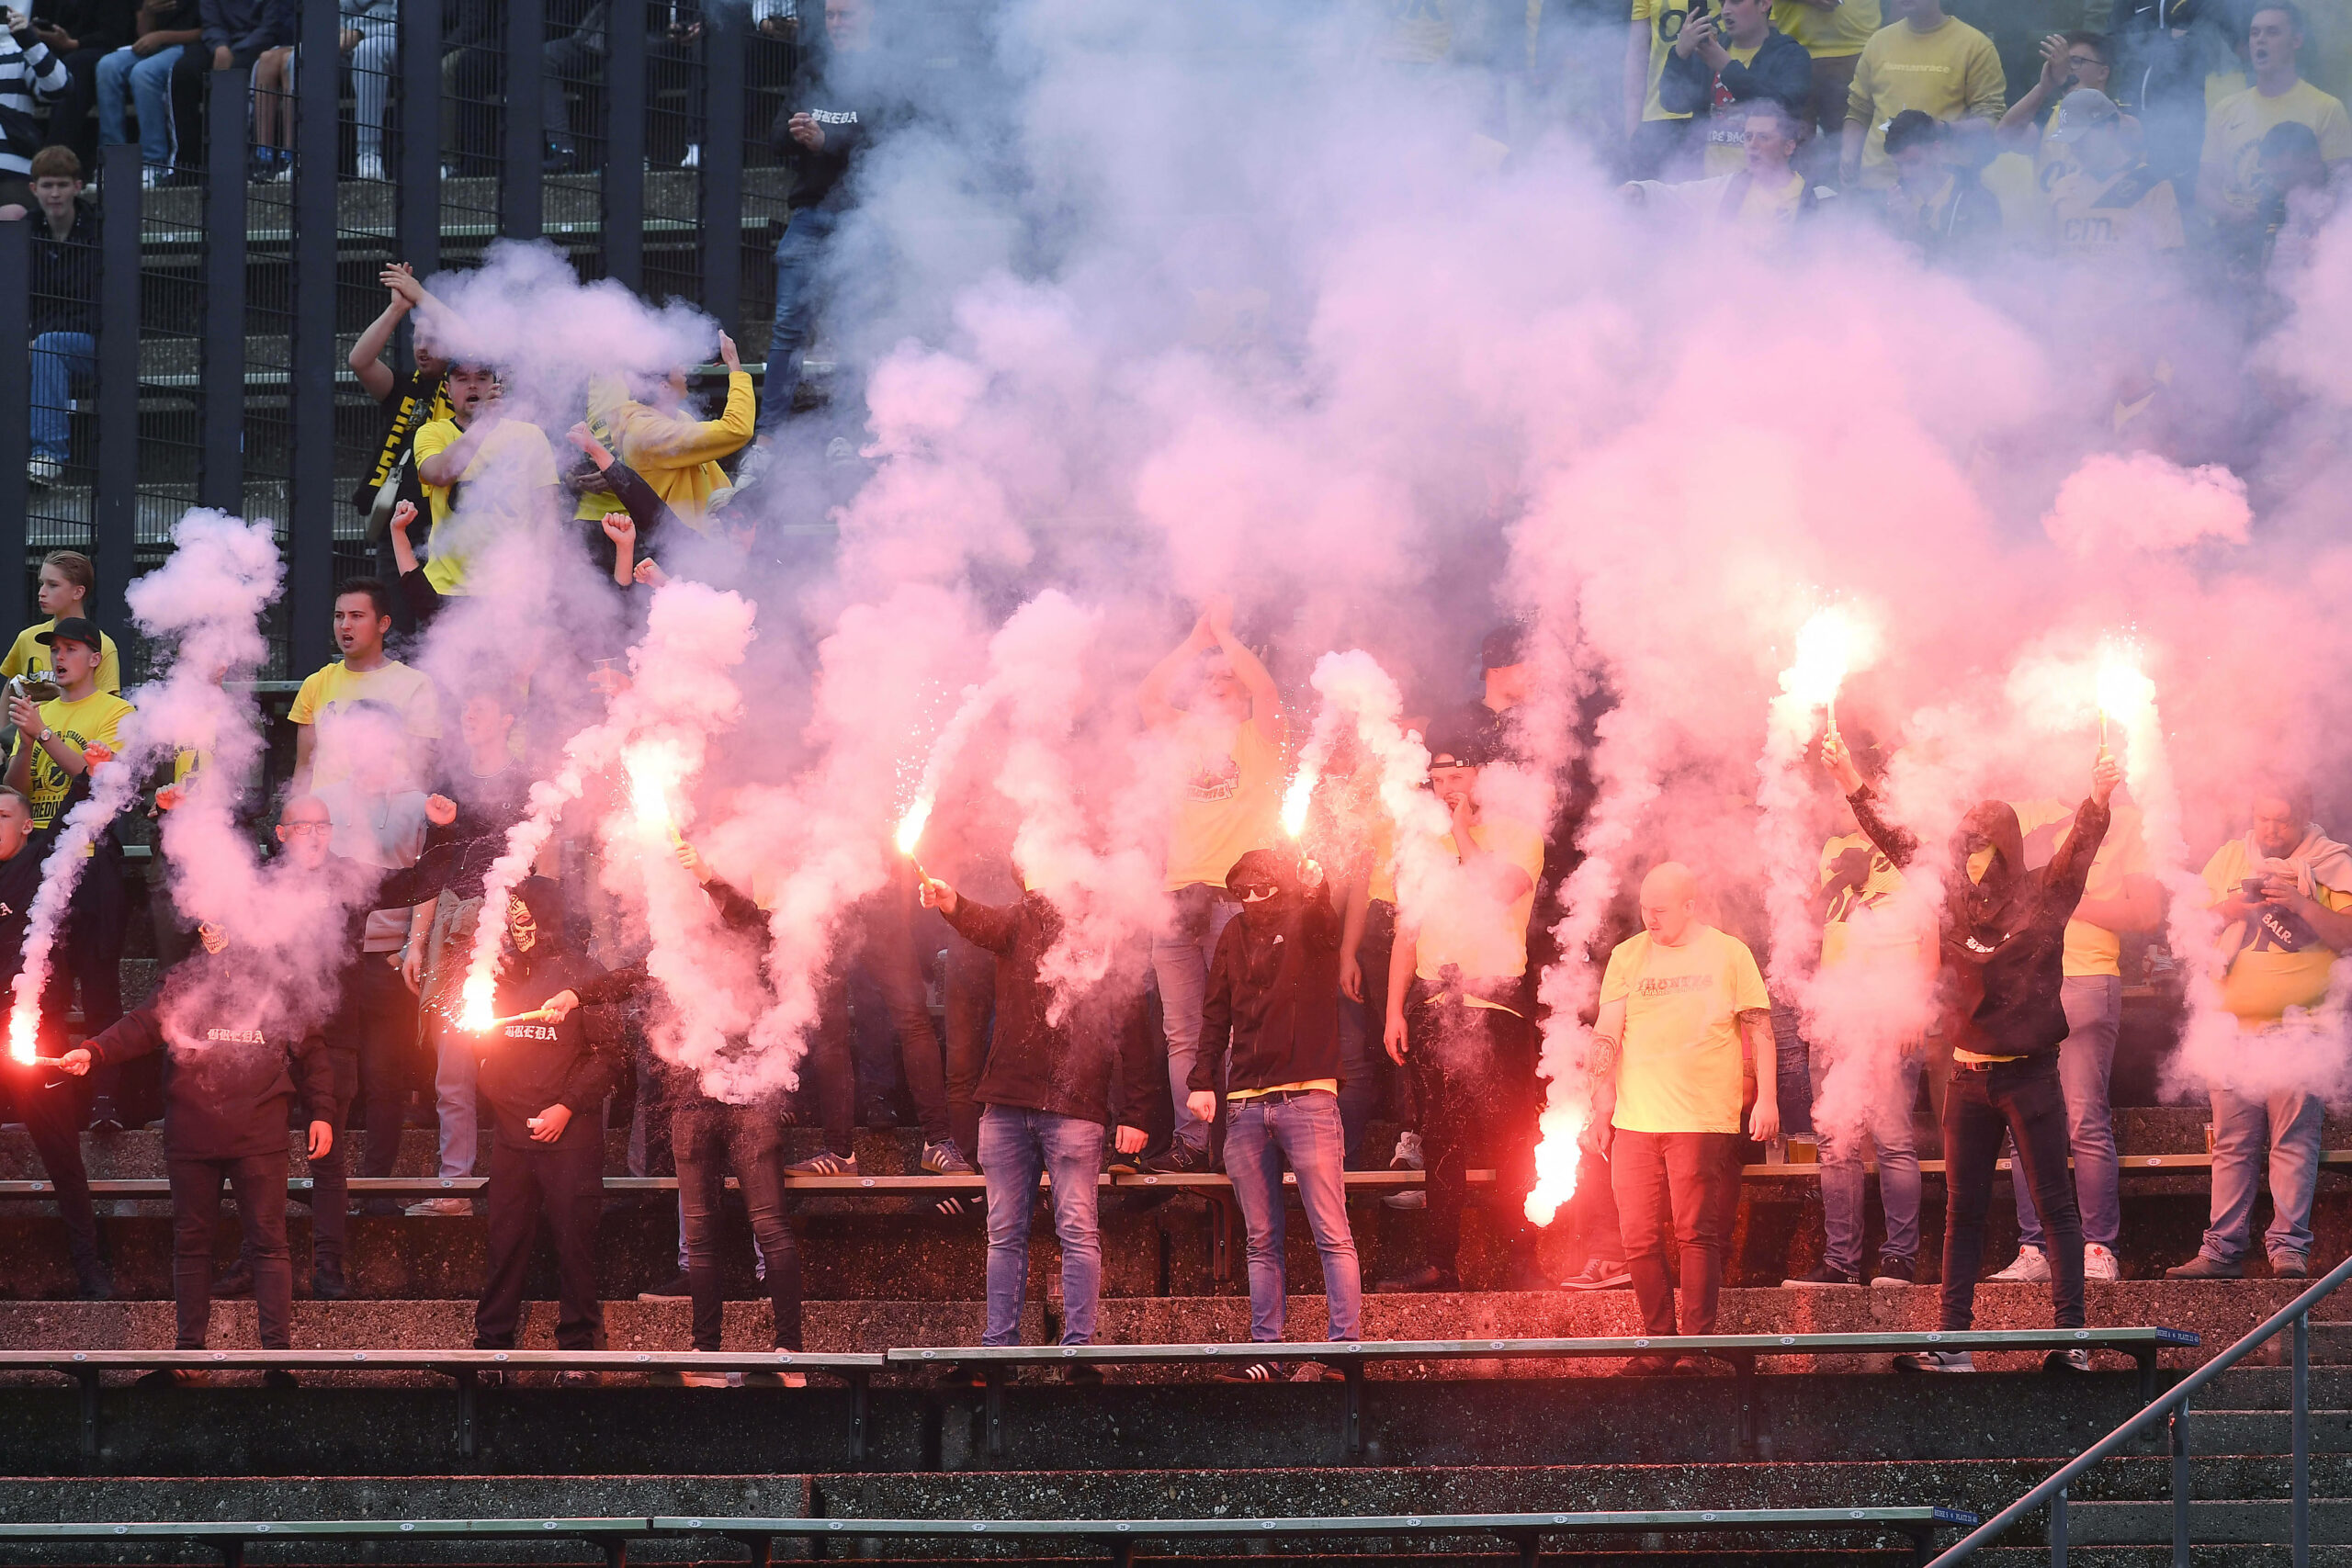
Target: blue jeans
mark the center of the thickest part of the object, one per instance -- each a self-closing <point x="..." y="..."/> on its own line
<point x="2288" y="1121"/>
<point x="798" y="255"/>
<point x="1305" y="1130"/>
<point x="2094" y="1006"/>
<point x="1889" y="1125"/>
<point x="57" y="357"/>
<point x="124" y="76"/>
<point x="1015" y="1145"/>
<point x="1179" y="961"/>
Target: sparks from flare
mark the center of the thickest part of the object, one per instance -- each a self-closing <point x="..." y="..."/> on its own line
<point x="1831" y="646"/>
<point x="2123" y="692"/>
<point x="1298" y="797"/>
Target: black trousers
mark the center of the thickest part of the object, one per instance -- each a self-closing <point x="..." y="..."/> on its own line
<point x="561" y="1183"/>
<point x="259" y="1182"/>
<point x="1476" y="1068"/>
<point x="376" y="1021"/>
<point x="331" y="1175"/>
<point x="708" y="1137"/>
<point x="2024" y="1100"/>
<point x="971" y="1023"/>
<point x="53" y="1113"/>
<point x="832" y="1068"/>
<point x="91" y="962"/>
<point x="1404" y="1093"/>
<point x="887" y="982"/>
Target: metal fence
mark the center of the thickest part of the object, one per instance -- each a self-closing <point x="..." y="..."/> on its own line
<point x="230" y="288"/>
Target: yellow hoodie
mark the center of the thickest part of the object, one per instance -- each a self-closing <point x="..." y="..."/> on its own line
<point x="676" y="456"/>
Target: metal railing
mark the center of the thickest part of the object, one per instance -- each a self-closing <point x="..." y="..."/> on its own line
<point x="2173" y="1406"/>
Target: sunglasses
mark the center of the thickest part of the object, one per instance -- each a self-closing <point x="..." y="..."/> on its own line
<point x="1254" y="892"/>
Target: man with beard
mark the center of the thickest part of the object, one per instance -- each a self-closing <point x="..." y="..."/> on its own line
<point x="1457" y="1015"/>
<point x="1045" y="1095"/>
<point x="1273" y="1003"/>
<point x="232" y="1047"/>
<point x="2004" y="938"/>
<point x="545" y="1069"/>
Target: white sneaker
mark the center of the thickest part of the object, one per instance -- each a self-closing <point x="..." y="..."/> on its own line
<point x="1935" y="1361"/>
<point x="2030" y="1269"/>
<point x="454" y="1208"/>
<point x="372" y="167"/>
<point x="2100" y="1263"/>
<point x="1409" y="1152"/>
<point x="2066" y="1361"/>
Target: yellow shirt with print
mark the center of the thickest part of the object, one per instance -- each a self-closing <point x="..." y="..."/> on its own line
<point x="1679" y="1067"/>
<point x="513" y="463"/>
<point x="1462" y="925"/>
<point x="1230" y="803"/>
<point x="2282" y="963"/>
<point x="1726" y="145"/>
<point x="1858" y="923"/>
<point x="1665" y="19"/>
<point x="1950" y="72"/>
<point x="95" y="718"/>
<point x="1832" y="34"/>
<point x="2090" y="950"/>
<point x="24" y="656"/>
<point x="2131" y="217"/>
<point x="328" y="692"/>
<point x="2235" y="127"/>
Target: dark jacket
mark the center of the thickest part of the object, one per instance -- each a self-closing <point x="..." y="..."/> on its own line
<point x="458" y="857"/>
<point x="230" y="1061"/>
<point x="2004" y="962"/>
<point x="1273" y="995"/>
<point x="65" y="273"/>
<point x="1781" y="71"/>
<point x="1034" y="1064"/>
<point x="100" y="25"/>
<point x="526" y="1067"/>
<point x="818" y="173"/>
<point x="247" y="28"/>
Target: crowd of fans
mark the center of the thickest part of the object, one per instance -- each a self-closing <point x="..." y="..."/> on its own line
<point x="1289" y="1007"/>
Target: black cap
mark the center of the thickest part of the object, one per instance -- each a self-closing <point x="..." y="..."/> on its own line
<point x="72" y="629"/>
<point x="1258" y="866"/>
<point x="1504" y="647"/>
<point x="1470" y="745"/>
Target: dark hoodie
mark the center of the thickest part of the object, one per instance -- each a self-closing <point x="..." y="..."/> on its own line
<point x="1273" y="992"/>
<point x="228" y="1064"/>
<point x="2005" y="938"/>
<point x="526" y="1067"/>
<point x="818" y="173"/>
<point x="1781" y="71"/>
<point x="1037" y="1064"/>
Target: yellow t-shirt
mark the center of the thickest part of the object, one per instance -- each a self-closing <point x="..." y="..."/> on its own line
<point x="1469" y="930"/>
<point x="96" y="717"/>
<point x="513" y="463"/>
<point x="1665" y="19"/>
<point x="2282" y="965"/>
<point x="1679" y="1069"/>
<point x="1860" y="923"/>
<point x="1328" y="1085"/>
<point x="24" y="656"/>
<point x="1949" y="73"/>
<point x="2131" y="217"/>
<point x="1230" y="803"/>
<point x="1415" y="32"/>
<point x="334" y="688"/>
<point x="1380" y="851"/>
<point x="1828" y="35"/>
<point x="1727" y="146"/>
<point x="2234" y="130"/>
<point x="2090" y="950"/>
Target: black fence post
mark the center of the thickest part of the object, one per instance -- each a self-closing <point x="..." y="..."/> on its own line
<point x="220" y="481"/>
<point x="417" y="223"/>
<point x="724" y="42"/>
<point x="625" y="146"/>
<point x="310" y="505"/>
<point x="114" y="498"/>
<point x="521" y="215"/>
<point x="16" y="416"/>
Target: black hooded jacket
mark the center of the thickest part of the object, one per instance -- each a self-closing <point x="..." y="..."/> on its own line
<point x="1274" y="997"/>
<point x="229" y="1064"/>
<point x="2003" y="947"/>
<point x="1034" y="1064"/>
<point x="526" y="1067"/>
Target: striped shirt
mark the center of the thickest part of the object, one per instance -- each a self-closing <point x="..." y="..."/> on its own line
<point x="28" y="72"/>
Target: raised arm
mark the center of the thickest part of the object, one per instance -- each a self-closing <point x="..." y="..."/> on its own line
<point x="1152" y="695"/>
<point x="1265" y="702"/>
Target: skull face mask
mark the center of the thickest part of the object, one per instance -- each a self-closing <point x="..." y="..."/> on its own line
<point x="521" y="928"/>
<point x="214" y="937"/>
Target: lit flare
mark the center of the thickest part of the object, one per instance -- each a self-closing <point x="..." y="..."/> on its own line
<point x="1555" y="1162"/>
<point x="21" y="1026"/>
<point x="910" y="826"/>
<point x="1831" y="646"/>
<point x="1298" y="797"/>
<point x="2124" y="694"/>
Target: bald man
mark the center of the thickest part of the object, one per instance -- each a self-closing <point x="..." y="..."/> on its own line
<point x="1676" y="1003"/>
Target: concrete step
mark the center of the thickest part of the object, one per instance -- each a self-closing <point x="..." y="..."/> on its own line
<point x="2219" y="1522"/>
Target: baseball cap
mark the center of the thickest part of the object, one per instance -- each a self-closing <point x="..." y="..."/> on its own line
<point x="1468" y="745"/>
<point x="72" y="629"/>
<point x="2081" y="111"/>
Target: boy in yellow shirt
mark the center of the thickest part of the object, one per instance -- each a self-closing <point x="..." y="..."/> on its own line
<point x="505" y="466"/>
<point x="1925" y="60"/>
<point x="67" y="580"/>
<point x="2229" y="184"/>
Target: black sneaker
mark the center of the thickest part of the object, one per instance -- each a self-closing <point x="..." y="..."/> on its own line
<point x="1179" y="1158"/>
<point x="1250" y="1372"/>
<point x="327" y="1283"/>
<point x="1821" y="1277"/>
<point x="1892" y="1273"/>
<point x="103" y="1117"/>
<point x="1085" y="1374"/>
<point x="1600" y="1274"/>
<point x="2204" y="1265"/>
<point x="1428" y="1277"/>
<point x="235" y="1281"/>
<point x="679" y="1289"/>
<point x="93" y="1282"/>
<point x="278" y="1377"/>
